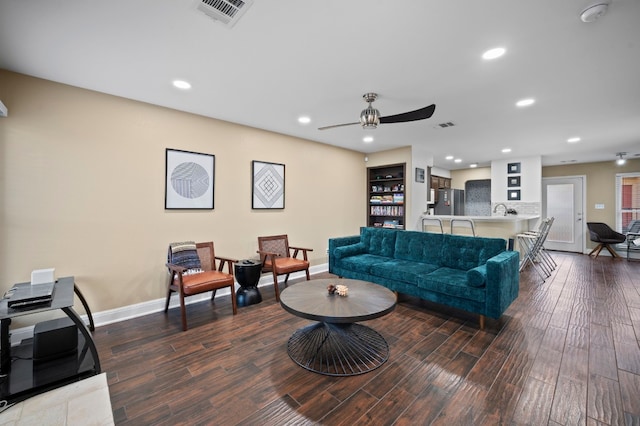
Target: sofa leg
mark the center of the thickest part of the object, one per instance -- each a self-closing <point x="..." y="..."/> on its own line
<point x="481" y="322"/>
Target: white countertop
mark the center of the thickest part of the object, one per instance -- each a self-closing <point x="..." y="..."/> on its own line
<point x="496" y="218"/>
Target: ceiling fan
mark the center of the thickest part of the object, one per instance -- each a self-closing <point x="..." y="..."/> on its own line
<point x="370" y="117"/>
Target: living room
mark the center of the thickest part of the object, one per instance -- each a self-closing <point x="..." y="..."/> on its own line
<point x="83" y="185"/>
<point x="87" y="196"/>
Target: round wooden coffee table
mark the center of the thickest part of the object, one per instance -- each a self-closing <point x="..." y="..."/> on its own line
<point x="336" y="345"/>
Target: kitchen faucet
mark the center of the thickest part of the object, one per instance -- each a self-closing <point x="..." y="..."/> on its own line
<point x="495" y="209"/>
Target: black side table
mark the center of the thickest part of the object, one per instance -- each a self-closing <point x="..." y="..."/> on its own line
<point x="247" y="274"/>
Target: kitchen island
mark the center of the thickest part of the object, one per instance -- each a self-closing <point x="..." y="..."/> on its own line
<point x="500" y="226"/>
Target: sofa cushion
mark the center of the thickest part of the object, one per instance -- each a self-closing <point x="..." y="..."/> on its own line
<point x="402" y="270"/>
<point x="362" y="262"/>
<point x="477" y="276"/>
<point x="424" y="247"/>
<point x="464" y="253"/>
<point x="378" y="241"/>
<point x="452" y="282"/>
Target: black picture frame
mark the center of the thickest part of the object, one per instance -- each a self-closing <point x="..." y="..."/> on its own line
<point x="268" y="184"/>
<point x="419" y="175"/>
<point x="513" y="195"/>
<point x="189" y="180"/>
<point x="513" y="181"/>
<point x="513" y="168"/>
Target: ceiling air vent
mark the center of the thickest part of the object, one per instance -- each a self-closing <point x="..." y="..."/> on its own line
<point x="225" y="11"/>
<point x="447" y="124"/>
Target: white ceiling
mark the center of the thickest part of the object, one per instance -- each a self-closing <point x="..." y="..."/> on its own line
<point x="285" y="58"/>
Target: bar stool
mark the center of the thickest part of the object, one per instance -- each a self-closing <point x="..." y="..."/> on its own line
<point x="534" y="253"/>
<point x="433" y="222"/>
<point x="463" y="223"/>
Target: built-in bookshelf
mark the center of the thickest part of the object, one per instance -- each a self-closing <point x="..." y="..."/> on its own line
<point x="386" y="196"/>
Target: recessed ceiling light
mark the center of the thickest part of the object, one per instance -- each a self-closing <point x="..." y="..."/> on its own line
<point x="304" y="119"/>
<point x="449" y="157"/>
<point x="573" y="140"/>
<point x="181" y="84"/>
<point x="367" y="139"/>
<point x="494" y="53"/>
<point x="457" y="160"/>
<point x="525" y="102"/>
<point x="473" y="165"/>
<point x="506" y="150"/>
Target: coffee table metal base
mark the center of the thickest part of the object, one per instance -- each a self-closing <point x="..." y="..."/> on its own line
<point x="338" y="349"/>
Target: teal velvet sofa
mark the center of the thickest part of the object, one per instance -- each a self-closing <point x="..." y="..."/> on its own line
<point x="474" y="274"/>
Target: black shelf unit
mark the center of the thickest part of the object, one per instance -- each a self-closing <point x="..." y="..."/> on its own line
<point x="22" y="377"/>
<point x="386" y="196"/>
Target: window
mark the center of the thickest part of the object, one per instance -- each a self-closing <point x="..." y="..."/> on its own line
<point x="627" y="200"/>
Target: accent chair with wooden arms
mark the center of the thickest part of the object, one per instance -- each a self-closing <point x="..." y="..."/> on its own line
<point x="275" y="255"/>
<point x="192" y="269"/>
<point x="602" y="234"/>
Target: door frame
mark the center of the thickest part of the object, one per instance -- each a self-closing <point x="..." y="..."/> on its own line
<point x="583" y="179"/>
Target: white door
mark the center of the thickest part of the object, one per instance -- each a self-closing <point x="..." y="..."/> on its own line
<point x="562" y="199"/>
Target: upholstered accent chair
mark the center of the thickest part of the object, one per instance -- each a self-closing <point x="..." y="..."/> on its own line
<point x="192" y="270"/>
<point x="276" y="257"/>
<point x="602" y="234"/>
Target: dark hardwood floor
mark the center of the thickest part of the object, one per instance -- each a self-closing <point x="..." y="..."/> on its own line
<point x="566" y="352"/>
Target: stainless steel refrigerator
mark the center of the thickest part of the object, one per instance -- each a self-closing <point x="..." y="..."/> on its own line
<point x="450" y="202"/>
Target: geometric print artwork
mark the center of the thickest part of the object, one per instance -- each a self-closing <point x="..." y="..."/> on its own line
<point x="268" y="185"/>
<point x="189" y="180"/>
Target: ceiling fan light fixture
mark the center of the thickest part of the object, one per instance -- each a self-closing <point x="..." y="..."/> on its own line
<point x="370" y="118"/>
<point x="621" y="161"/>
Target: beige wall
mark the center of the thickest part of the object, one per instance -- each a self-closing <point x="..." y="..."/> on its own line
<point x="82" y="189"/>
<point x="460" y="177"/>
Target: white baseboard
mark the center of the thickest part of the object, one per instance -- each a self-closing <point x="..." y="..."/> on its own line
<point x="152" y="306"/>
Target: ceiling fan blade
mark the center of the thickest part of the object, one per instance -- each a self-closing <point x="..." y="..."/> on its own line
<point x="419" y="114"/>
<point x="337" y="125"/>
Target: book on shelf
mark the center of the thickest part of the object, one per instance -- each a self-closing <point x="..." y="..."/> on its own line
<point x="398" y="198"/>
<point x="387" y="210"/>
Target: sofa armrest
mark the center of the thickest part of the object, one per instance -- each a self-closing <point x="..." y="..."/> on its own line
<point x="335" y="243"/>
<point x="503" y="282"/>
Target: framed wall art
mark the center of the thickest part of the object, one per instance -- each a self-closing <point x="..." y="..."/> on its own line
<point x="513" y="181"/>
<point x="189" y="180"/>
<point x="268" y="185"/>
<point x="513" y="195"/>
<point x="419" y="174"/>
<point x="513" y="168"/>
